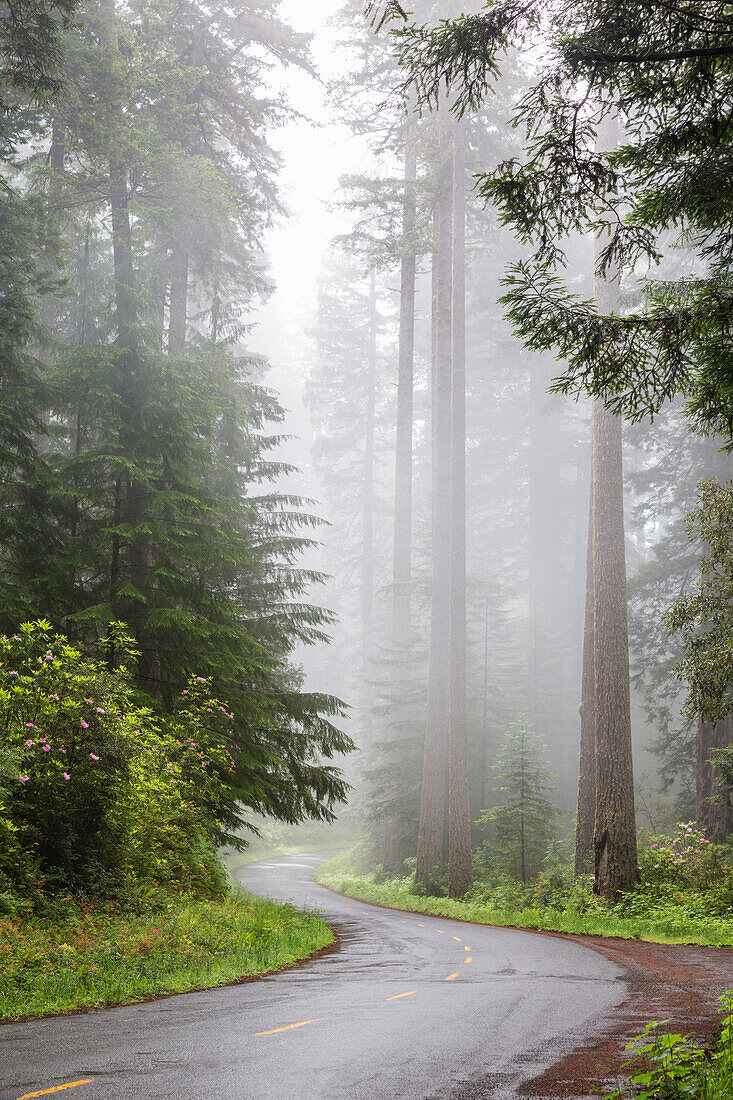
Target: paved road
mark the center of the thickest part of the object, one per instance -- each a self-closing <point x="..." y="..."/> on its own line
<point x="412" y="1007"/>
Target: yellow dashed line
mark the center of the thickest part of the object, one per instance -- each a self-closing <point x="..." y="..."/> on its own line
<point x="56" y="1088"/>
<point x="440" y="931"/>
<point x="452" y="976"/>
<point x="467" y="961"/>
<point x="288" y="1027"/>
<point x="457" y="939"/>
<point x="401" y="995"/>
<point x="466" y="948"/>
<point x="422" y="926"/>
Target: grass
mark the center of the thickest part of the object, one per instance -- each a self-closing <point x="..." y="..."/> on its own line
<point x="93" y="956"/>
<point x="667" y="919"/>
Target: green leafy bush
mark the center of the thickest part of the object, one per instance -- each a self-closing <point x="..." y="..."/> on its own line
<point x="675" y="1068"/>
<point x="96" y="793"/>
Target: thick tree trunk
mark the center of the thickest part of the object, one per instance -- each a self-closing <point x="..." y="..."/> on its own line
<point x="615" y="820"/>
<point x="714" y="818"/>
<point x="367" y="553"/>
<point x="585" y="820"/>
<point x="459" y="809"/>
<point x="433" y="793"/>
<point x="402" y="542"/>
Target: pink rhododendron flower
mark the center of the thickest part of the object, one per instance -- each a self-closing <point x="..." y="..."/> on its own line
<point x="93" y="756"/>
<point x="46" y="748"/>
<point x="90" y="701"/>
<point x="31" y="726"/>
<point x="67" y="777"/>
<point x="23" y="778"/>
<point x="29" y="744"/>
<point x="100" y="710"/>
<point x="63" y="751"/>
<point x="13" y="674"/>
<point x="201" y="679"/>
<point x="84" y="725"/>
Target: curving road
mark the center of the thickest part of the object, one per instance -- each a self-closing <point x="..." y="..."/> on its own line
<point x="410" y="1006"/>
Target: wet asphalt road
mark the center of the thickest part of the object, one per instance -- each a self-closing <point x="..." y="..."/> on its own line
<point x="410" y="1006"/>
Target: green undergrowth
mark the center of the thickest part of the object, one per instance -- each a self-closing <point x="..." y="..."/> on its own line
<point x="661" y="914"/>
<point x="667" y="1066"/>
<point x="85" y="955"/>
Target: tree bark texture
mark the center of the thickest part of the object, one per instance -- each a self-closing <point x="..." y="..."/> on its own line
<point x="615" y="818"/>
<point x="714" y="818"/>
<point x="459" y="809"/>
<point x="402" y="540"/>
<point x="433" y="792"/>
<point x="585" y="820"/>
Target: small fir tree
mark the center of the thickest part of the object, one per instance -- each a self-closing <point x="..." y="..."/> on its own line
<point x="524" y="822"/>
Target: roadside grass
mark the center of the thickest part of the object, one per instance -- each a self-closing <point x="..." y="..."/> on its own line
<point x="667" y="919"/>
<point x="88" y="956"/>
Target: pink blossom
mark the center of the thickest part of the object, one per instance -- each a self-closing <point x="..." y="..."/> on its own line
<point x="84" y="725"/>
<point x="93" y="757"/>
<point x="31" y="726"/>
<point x="23" y="778"/>
<point x="13" y="674"/>
<point x="29" y="744"/>
<point x="67" y="777"/>
<point x="100" y="710"/>
<point x="63" y="751"/>
<point x="90" y="701"/>
<point x="201" y="679"/>
<point x="46" y="748"/>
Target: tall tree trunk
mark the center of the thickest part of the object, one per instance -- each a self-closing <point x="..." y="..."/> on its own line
<point x="714" y="818"/>
<point x="402" y="541"/>
<point x="128" y="384"/>
<point x="585" y="820"/>
<point x="367" y="553"/>
<point x="459" y="809"/>
<point x="546" y="611"/>
<point x="433" y="792"/>
<point x="615" y="819"/>
<point x="178" y="311"/>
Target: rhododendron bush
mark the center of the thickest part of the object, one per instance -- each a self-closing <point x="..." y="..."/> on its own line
<point x="97" y="792"/>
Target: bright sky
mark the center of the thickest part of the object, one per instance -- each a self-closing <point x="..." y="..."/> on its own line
<point x="315" y="157"/>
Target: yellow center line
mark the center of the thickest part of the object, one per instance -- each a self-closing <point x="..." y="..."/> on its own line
<point x="452" y="976"/>
<point x="440" y="931"/>
<point x="421" y="926"/>
<point x="467" y="961"/>
<point x="401" y="995"/>
<point x="288" y="1027"/>
<point x="56" y="1088"/>
<point x="466" y="948"/>
<point x="457" y="939"/>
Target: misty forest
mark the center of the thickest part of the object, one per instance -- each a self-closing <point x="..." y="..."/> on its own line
<point x="366" y="497"/>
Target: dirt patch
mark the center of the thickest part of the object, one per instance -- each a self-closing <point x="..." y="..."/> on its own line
<point x="679" y="983"/>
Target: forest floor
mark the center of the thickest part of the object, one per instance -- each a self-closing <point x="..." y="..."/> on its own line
<point x="94" y="955"/>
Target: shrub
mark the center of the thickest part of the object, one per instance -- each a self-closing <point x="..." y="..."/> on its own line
<point x="95" y="791"/>
<point x="686" y="859"/>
